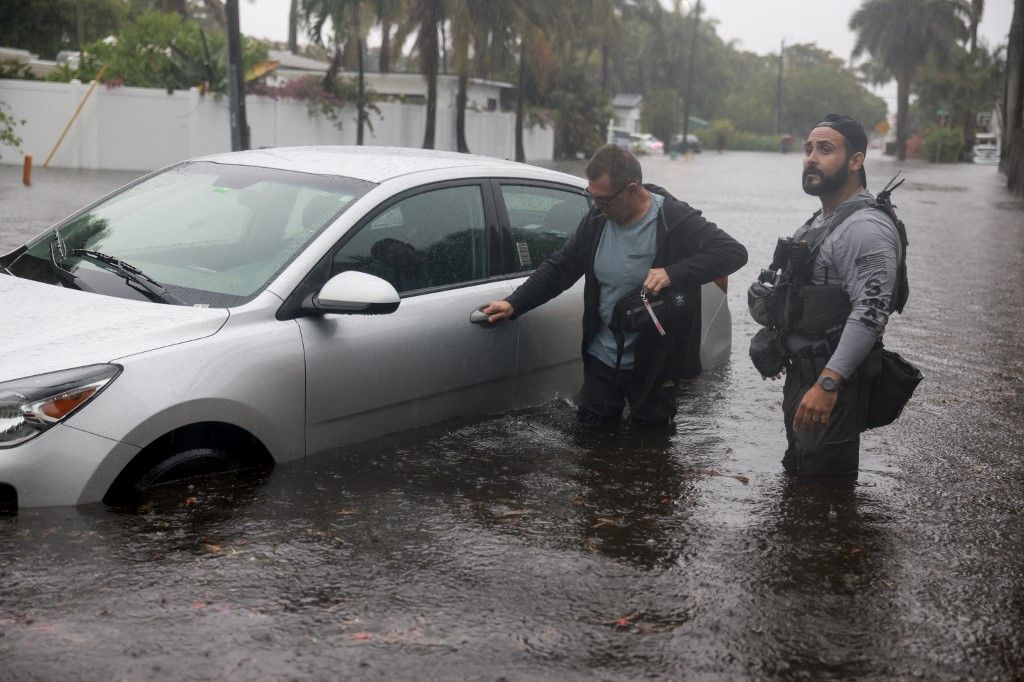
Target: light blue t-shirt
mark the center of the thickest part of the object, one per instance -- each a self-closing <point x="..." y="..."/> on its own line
<point x="624" y="257"/>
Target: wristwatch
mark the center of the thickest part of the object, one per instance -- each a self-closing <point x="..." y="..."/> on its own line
<point x="829" y="384"/>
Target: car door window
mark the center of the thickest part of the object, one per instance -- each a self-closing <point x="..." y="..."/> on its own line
<point x="435" y="238"/>
<point x="540" y="220"/>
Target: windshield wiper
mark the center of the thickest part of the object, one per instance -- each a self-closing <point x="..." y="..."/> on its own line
<point x="131" y="274"/>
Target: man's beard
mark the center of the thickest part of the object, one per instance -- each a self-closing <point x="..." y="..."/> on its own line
<point x="828" y="184"/>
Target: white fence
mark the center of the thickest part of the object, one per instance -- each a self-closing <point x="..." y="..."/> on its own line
<point x="144" y="129"/>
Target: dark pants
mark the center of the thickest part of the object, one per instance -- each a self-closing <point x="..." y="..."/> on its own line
<point x="604" y="395"/>
<point x="834" y="450"/>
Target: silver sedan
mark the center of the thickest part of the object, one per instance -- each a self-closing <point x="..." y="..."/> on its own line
<point x="251" y="308"/>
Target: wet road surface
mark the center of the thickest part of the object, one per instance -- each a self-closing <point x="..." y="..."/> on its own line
<point x="525" y="547"/>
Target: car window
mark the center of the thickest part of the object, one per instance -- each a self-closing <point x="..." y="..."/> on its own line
<point x="436" y="238"/>
<point x="540" y="219"/>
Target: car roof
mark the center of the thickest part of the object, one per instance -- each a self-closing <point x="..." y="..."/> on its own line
<point x="378" y="164"/>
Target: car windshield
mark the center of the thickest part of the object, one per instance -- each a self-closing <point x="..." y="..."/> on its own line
<point x="209" y="234"/>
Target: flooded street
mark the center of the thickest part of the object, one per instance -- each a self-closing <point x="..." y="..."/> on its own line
<point x="526" y="547"/>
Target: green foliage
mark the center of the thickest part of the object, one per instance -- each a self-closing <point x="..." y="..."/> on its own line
<point x="961" y="87"/>
<point x="742" y="141"/>
<point x="943" y="145"/>
<point x="815" y="82"/>
<point x="722" y="128"/>
<point x="163" y="50"/>
<point x="45" y="27"/>
<point x="662" y="114"/>
<point x="7" y="124"/>
<point x="581" y="111"/>
<point x="14" y="69"/>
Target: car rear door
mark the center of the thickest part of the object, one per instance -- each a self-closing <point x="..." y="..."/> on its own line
<point x="367" y="375"/>
<point x="538" y="217"/>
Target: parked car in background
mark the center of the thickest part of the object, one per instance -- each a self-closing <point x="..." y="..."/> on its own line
<point x="692" y="144"/>
<point x="250" y="308"/>
<point x="986" y="148"/>
<point x="645" y="143"/>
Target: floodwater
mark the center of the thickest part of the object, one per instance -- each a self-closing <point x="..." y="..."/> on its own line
<point x="526" y="547"/>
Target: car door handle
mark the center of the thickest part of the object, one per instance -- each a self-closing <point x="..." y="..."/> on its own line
<point x="479" y="317"/>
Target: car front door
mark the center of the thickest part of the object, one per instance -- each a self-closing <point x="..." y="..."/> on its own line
<point x="539" y="218"/>
<point x="367" y="375"/>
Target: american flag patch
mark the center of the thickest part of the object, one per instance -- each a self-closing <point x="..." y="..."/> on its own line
<point x="870" y="261"/>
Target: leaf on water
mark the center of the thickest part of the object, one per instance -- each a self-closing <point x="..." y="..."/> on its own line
<point x="605" y="521"/>
<point x="713" y="472"/>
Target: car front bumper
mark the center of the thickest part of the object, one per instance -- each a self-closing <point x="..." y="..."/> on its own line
<point x="63" y="466"/>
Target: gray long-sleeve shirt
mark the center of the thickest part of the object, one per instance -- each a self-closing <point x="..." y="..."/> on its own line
<point x="863" y="255"/>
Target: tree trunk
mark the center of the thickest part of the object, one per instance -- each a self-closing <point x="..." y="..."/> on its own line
<point x="460" y="115"/>
<point x="429" y="57"/>
<point x="521" y="105"/>
<point x="293" y="27"/>
<point x="604" y="64"/>
<point x="332" y="71"/>
<point x="350" y="57"/>
<point x="1012" y="161"/>
<point x="385" y="46"/>
<point x="902" y="111"/>
<point x="80" y="24"/>
<point x="360" y="97"/>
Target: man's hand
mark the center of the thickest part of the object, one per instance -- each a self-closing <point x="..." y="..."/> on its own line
<point x="817" y="405"/>
<point x="498" y="311"/>
<point x="657" y="279"/>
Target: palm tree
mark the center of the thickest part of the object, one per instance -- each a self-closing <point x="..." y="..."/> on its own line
<point x="350" y="20"/>
<point x="901" y="35"/>
<point x="388" y="14"/>
<point x="430" y="14"/>
<point x="293" y="27"/>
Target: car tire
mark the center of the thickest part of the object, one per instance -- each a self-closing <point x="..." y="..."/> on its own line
<point x="186" y="463"/>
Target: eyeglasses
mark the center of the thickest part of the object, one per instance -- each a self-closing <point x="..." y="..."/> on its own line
<point x="604" y="202"/>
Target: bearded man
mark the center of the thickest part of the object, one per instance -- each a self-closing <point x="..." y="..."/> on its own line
<point x="847" y="289"/>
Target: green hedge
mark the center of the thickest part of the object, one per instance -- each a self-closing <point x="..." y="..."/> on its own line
<point x="943" y="145"/>
<point x="742" y="141"/>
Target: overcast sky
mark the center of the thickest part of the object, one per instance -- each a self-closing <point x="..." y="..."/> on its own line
<point x="755" y="25"/>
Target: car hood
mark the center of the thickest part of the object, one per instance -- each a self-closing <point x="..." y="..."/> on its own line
<point x="45" y="328"/>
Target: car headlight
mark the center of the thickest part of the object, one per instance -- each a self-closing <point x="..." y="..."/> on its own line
<point x="30" y="406"/>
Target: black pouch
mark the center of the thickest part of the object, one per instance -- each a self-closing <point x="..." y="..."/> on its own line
<point x="891" y="390"/>
<point x="630" y="315"/>
<point x="767" y="352"/>
<point x="767" y="304"/>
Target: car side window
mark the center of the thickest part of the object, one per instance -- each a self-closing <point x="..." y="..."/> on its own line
<point x="435" y="238"/>
<point x="541" y="219"/>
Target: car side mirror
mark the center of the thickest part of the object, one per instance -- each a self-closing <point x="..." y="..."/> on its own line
<point x="356" y="293"/>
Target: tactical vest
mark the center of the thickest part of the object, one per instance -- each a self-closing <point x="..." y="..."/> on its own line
<point x="784" y="298"/>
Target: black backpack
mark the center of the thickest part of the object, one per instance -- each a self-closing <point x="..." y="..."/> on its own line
<point x="884" y="204"/>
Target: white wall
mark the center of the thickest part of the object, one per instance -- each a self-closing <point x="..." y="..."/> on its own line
<point x="143" y="129"/>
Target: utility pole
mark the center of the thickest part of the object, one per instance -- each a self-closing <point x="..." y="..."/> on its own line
<point x="689" y="76"/>
<point x="778" y="89"/>
<point x="236" y="84"/>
